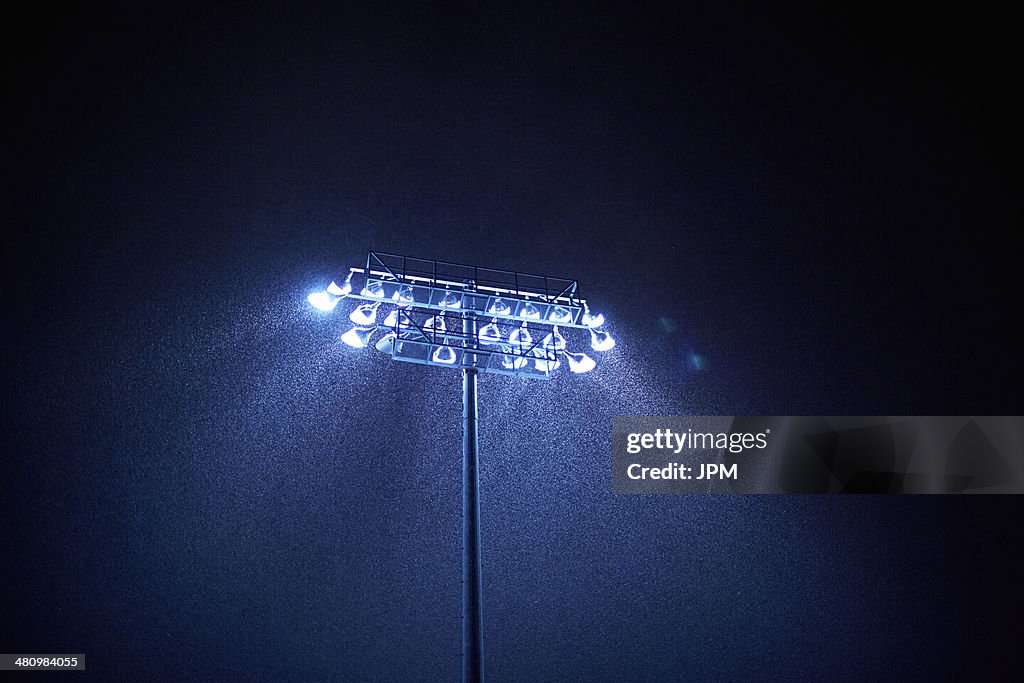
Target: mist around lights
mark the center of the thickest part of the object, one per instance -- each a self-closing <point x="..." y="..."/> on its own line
<point x="436" y="315"/>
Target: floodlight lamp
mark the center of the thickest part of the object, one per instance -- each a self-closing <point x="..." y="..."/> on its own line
<point x="554" y="340"/>
<point x="520" y="337"/>
<point x="357" y="337"/>
<point x="499" y="307"/>
<point x="405" y="295"/>
<point x="591" y="320"/>
<point x="343" y="290"/>
<point x="513" y="362"/>
<point x="529" y="311"/>
<point x="386" y="344"/>
<point x="579" y="362"/>
<point x="450" y="300"/>
<point x="323" y="301"/>
<point x="393" y="318"/>
<point x="509" y="361"/>
<point x="490" y="333"/>
<point x="365" y="314"/>
<point x="435" y="323"/>
<point x="374" y="289"/>
<point x="544" y="362"/>
<point x="601" y="341"/>
<point x="560" y="314"/>
<point x="444" y="354"/>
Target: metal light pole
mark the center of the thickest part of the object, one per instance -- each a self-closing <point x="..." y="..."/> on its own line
<point x="437" y="308"/>
<point x="472" y="579"/>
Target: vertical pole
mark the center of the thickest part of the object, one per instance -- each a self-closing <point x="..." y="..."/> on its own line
<point x="472" y="585"/>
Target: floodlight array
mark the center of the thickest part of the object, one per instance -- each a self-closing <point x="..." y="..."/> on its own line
<point x="452" y="315"/>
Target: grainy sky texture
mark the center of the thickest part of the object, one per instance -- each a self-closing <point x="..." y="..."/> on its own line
<point x="785" y="212"/>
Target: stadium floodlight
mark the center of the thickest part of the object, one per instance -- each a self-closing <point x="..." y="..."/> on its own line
<point x="475" y="319"/>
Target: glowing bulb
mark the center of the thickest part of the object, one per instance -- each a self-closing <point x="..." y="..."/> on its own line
<point x="554" y="341"/>
<point x="323" y="301"/>
<point x="513" y="362"/>
<point x="345" y="288"/>
<point x="499" y="307"/>
<point x="450" y="300"/>
<point x="444" y="354"/>
<point x="508" y="360"/>
<point x="529" y="311"/>
<point x="490" y="332"/>
<point x="365" y="314"/>
<point x="357" y="337"/>
<point x="591" y="320"/>
<point x="405" y="295"/>
<point x="601" y="341"/>
<point x="560" y="314"/>
<point x="386" y="344"/>
<point x="435" y="323"/>
<point x="393" y="317"/>
<point x="579" y="362"/>
<point x="374" y="289"/>
<point x="520" y="337"/>
<point x="544" y="362"/>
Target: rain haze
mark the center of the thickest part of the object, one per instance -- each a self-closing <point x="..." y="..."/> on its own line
<point x="785" y="212"/>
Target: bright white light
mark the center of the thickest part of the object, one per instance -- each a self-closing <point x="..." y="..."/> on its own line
<point x="529" y="311"/>
<point x="490" y="333"/>
<point x="345" y="288"/>
<point x="591" y="320"/>
<point x="499" y="307"/>
<point x="405" y="295"/>
<point x="435" y="323"/>
<point x="386" y="344"/>
<point x="357" y="337"/>
<point x="601" y="341"/>
<point x="513" y="362"/>
<point x="450" y="300"/>
<point x="393" y="317"/>
<point x="508" y="360"/>
<point x="444" y="354"/>
<point x="520" y="337"/>
<point x="323" y="301"/>
<point x="544" y="364"/>
<point x="554" y="340"/>
<point x="560" y="314"/>
<point x="580" y="362"/>
<point x="365" y="314"/>
<point x="374" y="289"/>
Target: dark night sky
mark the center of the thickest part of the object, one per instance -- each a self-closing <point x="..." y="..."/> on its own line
<point x="785" y="213"/>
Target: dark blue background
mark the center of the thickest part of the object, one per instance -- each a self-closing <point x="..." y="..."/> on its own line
<point x="785" y="212"/>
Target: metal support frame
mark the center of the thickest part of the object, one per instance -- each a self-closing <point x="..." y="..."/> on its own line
<point x="461" y="294"/>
